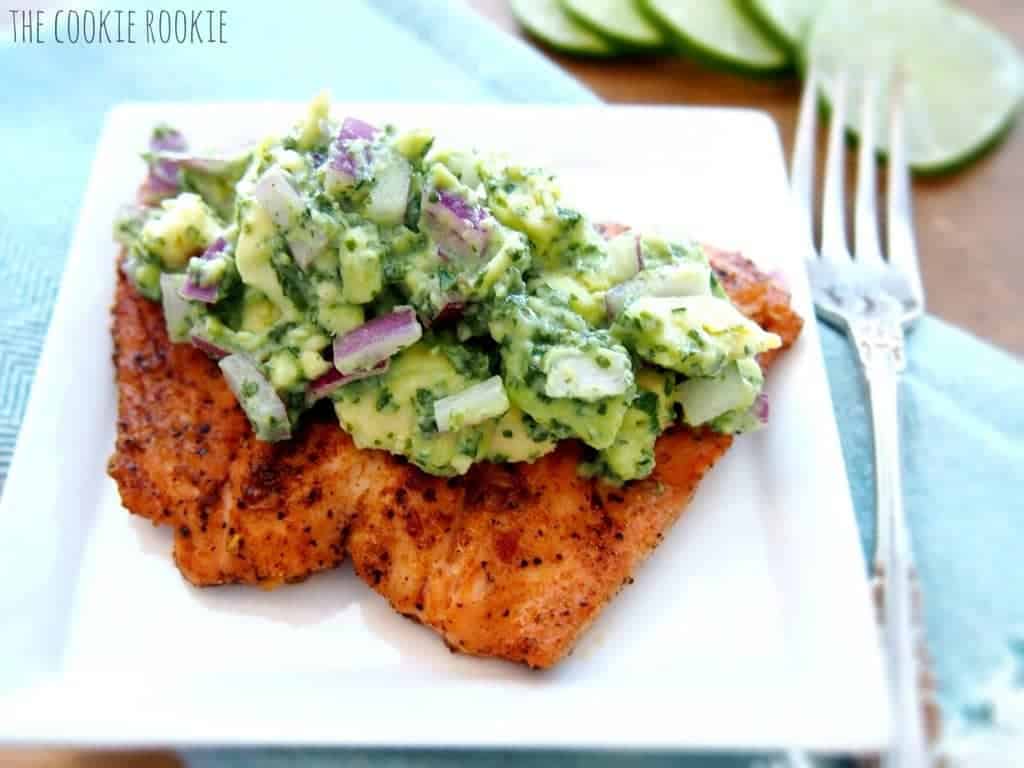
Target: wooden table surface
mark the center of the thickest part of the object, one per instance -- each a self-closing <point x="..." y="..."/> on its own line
<point x="970" y="230"/>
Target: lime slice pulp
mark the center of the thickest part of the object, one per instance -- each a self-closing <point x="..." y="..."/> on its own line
<point x="618" y="20"/>
<point x="718" y="33"/>
<point x="963" y="81"/>
<point x="785" y="21"/>
<point x="548" y="22"/>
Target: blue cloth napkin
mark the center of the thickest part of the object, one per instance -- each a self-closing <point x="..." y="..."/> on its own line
<point x="963" y="401"/>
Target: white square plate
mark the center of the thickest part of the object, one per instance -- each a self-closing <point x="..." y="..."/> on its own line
<point x="750" y="626"/>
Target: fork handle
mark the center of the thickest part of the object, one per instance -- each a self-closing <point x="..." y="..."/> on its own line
<point x="882" y="361"/>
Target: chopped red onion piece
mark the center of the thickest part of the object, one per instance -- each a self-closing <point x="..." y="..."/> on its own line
<point x="450" y="311"/>
<point x="176" y="309"/>
<point x="680" y="279"/>
<point x="346" y="167"/>
<point x="306" y="245"/>
<point x="762" y="408"/>
<point x="214" y="249"/>
<point x="341" y="172"/>
<point x="333" y="379"/>
<point x="212" y="164"/>
<point x="639" y="254"/>
<point x="473" y="214"/>
<point x="608" y="229"/>
<point x="162" y="181"/>
<point x="472" y="406"/>
<point x="201" y="342"/>
<point x="615" y="299"/>
<point x="354" y="128"/>
<point x="165" y="171"/>
<point x="390" y="193"/>
<point x="193" y="291"/>
<point x="278" y="197"/>
<point x="266" y="411"/>
<point x="455" y="224"/>
<point x="172" y="159"/>
<point x="155" y="189"/>
<point x="275" y="193"/>
<point x="376" y="340"/>
<point x="167" y="140"/>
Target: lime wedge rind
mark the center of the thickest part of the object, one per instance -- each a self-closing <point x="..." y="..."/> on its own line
<point x="546" y="21"/>
<point x="957" y="107"/>
<point x="719" y="35"/>
<point x="620" y="22"/>
<point x="785" y="22"/>
<point x="782" y="22"/>
<point x="768" y="28"/>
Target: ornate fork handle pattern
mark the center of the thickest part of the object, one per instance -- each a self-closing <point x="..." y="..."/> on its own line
<point x="879" y="345"/>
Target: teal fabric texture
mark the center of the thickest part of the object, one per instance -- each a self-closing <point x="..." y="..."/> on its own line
<point x="962" y="400"/>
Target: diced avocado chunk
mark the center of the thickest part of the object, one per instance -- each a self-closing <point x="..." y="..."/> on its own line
<point x="380" y="412"/>
<point x="694" y="335"/>
<point x="735" y="422"/>
<point x="501" y="273"/>
<point x="594" y="423"/>
<point x="340" y="318"/>
<point x="284" y="370"/>
<point x="312" y="129"/>
<point x="257" y="240"/>
<point x="631" y="456"/>
<point x="708" y="397"/>
<point x="395" y="411"/>
<point x="615" y="263"/>
<point x="527" y="200"/>
<point x="571" y="292"/>
<point x="508" y="438"/>
<point x="207" y="272"/>
<point x="359" y="253"/>
<point x="658" y="252"/>
<point x="440" y="177"/>
<point x="662" y="384"/>
<point x="414" y="144"/>
<point x="217" y="185"/>
<point x="313" y="364"/>
<point x="258" y="314"/>
<point x="527" y="329"/>
<point x="185" y="227"/>
<point x="390" y="192"/>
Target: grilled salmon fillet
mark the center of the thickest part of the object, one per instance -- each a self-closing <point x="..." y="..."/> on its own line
<point x="243" y="510"/>
<point x="511" y="560"/>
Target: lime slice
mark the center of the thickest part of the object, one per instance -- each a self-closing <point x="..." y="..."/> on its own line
<point x="785" y="21"/>
<point x="618" y="20"/>
<point x="549" y="23"/>
<point x="718" y="33"/>
<point x="964" y="82"/>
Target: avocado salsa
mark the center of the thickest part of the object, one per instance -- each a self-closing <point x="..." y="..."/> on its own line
<point x="447" y="303"/>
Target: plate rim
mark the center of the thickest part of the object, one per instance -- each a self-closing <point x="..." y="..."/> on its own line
<point x="78" y="244"/>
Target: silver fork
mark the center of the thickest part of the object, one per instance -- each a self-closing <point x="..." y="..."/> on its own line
<point x="874" y="299"/>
